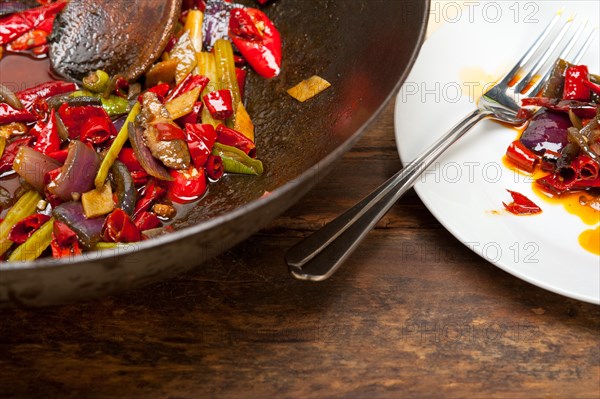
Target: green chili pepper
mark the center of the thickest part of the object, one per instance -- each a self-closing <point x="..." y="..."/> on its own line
<point x="116" y="146"/>
<point x="113" y="105"/>
<point x="236" y="161"/>
<point x="35" y="245"/>
<point x="96" y="82"/>
<point x="25" y="206"/>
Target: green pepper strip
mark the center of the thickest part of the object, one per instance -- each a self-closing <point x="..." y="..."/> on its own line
<point x="226" y="71"/>
<point x="113" y="105"/>
<point x="236" y="161"/>
<point x="35" y="245"/>
<point x="96" y="82"/>
<point x="2" y="145"/>
<point x="115" y="148"/>
<point x="25" y="206"/>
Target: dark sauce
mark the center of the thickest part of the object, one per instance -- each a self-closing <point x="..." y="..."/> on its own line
<point x="20" y="72"/>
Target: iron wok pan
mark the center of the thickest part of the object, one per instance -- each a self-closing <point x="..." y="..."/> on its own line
<point x="365" y="48"/>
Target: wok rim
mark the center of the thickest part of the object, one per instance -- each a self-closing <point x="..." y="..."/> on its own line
<point x="251" y="206"/>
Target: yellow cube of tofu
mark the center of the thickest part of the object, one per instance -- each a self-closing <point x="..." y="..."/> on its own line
<point x="308" y="88"/>
<point x="98" y="202"/>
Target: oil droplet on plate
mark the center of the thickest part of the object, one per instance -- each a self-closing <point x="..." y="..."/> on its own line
<point x="590" y="240"/>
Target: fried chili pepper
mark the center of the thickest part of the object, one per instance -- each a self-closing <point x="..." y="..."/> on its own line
<point x="575" y="89"/>
<point x="31" y="39"/>
<point x="169" y="131"/>
<point x="147" y="220"/>
<point x="14" y="25"/>
<point x="219" y="103"/>
<point x="24" y="228"/>
<point x="127" y="156"/>
<point x="214" y="167"/>
<point x="160" y="90"/>
<point x="592" y="86"/>
<point x="187" y="185"/>
<point x="258" y="40"/>
<point x="521" y="205"/>
<point x="189" y="83"/>
<point x="10" y="152"/>
<point x="241" y="78"/>
<point x="581" y="108"/>
<point x="64" y="241"/>
<point x="60" y="155"/>
<point x="9" y="114"/>
<point x="47" y="141"/>
<point x="118" y="227"/>
<point x="151" y="194"/>
<point x="97" y="130"/>
<point x="200" y="139"/>
<point x="236" y="139"/>
<point x="522" y="156"/>
<point x="45" y="90"/>
<point x="75" y="118"/>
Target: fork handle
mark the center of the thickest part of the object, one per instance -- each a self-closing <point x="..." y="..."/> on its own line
<point x="319" y="255"/>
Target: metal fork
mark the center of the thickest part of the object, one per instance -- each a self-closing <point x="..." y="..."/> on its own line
<point x="319" y="255"/>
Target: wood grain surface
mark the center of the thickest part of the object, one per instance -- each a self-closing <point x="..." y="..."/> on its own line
<point x="413" y="313"/>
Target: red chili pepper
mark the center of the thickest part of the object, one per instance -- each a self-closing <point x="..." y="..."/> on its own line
<point x="24" y="228"/>
<point x="127" y="156"/>
<point x="151" y="193"/>
<point x="214" y="167"/>
<point x="121" y="87"/>
<point x="521" y="205"/>
<point x="9" y="114"/>
<point x="219" y="103"/>
<point x="169" y="131"/>
<point x="239" y="61"/>
<point x="48" y="140"/>
<point x="575" y="89"/>
<point x="29" y="96"/>
<point x="240" y="74"/>
<point x="582" y="109"/>
<point x="592" y="86"/>
<point x="147" y="220"/>
<point x="97" y="130"/>
<point x="187" y="185"/>
<point x="140" y="177"/>
<point x="160" y="90"/>
<point x="60" y="155"/>
<point x="31" y="39"/>
<point x="236" y="139"/>
<point x="192" y="117"/>
<point x="64" y="241"/>
<point x="75" y="118"/>
<point x="201" y="139"/>
<point x="14" y="25"/>
<point x="10" y="152"/>
<point x="258" y="40"/>
<point x="522" y="156"/>
<point x="40" y="49"/>
<point x="118" y="227"/>
<point x="189" y="83"/>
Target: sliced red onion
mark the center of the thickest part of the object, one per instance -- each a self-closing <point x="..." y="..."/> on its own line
<point x="126" y="192"/>
<point x="78" y="173"/>
<point x="32" y="166"/>
<point x="89" y="231"/>
<point x="546" y="131"/>
<point x="144" y="155"/>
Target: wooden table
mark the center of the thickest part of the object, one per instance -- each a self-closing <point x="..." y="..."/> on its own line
<point x="413" y="313"/>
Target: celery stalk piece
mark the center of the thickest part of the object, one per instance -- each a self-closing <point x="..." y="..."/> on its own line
<point x="193" y="25"/>
<point x="207" y="67"/>
<point x="115" y="148"/>
<point x="35" y="245"/>
<point x="183" y="104"/>
<point x="226" y="70"/>
<point x="25" y="206"/>
<point x="2" y="145"/>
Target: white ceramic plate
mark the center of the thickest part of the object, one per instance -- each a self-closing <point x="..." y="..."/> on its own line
<point x="465" y="188"/>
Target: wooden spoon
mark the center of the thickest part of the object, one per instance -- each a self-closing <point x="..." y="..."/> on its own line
<point x="119" y="37"/>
